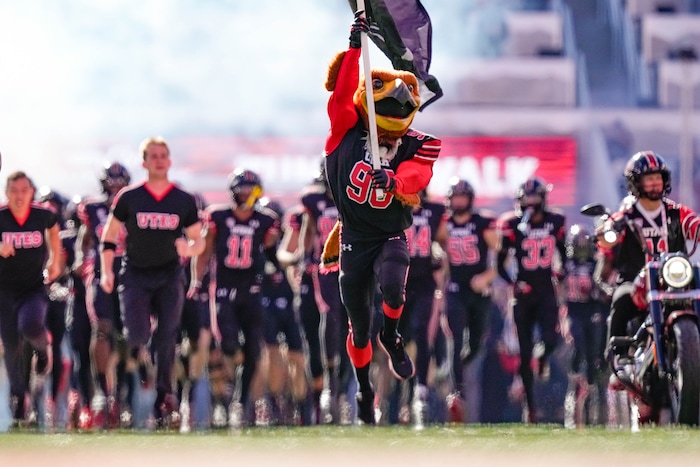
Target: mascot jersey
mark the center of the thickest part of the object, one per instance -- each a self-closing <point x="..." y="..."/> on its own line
<point x="405" y="153"/>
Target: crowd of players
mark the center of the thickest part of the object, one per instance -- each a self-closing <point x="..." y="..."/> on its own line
<point x="264" y="343"/>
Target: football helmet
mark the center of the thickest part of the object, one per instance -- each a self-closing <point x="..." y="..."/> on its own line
<point x="273" y="205"/>
<point x="114" y="177"/>
<point x="579" y="244"/>
<point x="52" y="198"/>
<point x="245" y="188"/>
<point x="460" y="186"/>
<point x="532" y="194"/>
<point x="643" y="163"/>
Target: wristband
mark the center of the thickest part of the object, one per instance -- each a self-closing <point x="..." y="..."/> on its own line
<point x="196" y="284"/>
<point x="108" y="246"/>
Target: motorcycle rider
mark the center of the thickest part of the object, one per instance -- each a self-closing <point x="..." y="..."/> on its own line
<point x="665" y="226"/>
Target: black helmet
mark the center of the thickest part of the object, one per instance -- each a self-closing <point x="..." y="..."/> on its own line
<point x="532" y="193"/>
<point x="56" y="200"/>
<point x="275" y="206"/>
<point x="579" y="244"/>
<point x="114" y="177"/>
<point x="460" y="186"/>
<point x="643" y="163"/>
<point x="240" y="179"/>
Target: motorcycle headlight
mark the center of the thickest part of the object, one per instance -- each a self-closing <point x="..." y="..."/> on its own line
<point x="677" y="272"/>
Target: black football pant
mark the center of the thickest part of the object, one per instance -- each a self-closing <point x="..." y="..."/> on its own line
<point x="361" y="263"/>
<point x="535" y="308"/>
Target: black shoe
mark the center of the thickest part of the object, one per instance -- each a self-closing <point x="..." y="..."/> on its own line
<point x="400" y="363"/>
<point x="365" y="407"/>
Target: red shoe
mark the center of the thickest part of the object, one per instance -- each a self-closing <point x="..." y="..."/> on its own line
<point x="113" y="413"/>
<point x="85" y="419"/>
<point x="170" y="413"/>
<point x="455" y="408"/>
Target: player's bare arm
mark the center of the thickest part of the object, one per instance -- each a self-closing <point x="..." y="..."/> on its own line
<point x="109" y="243"/>
<point x="194" y="244"/>
<point x="199" y="263"/>
<point x="56" y="262"/>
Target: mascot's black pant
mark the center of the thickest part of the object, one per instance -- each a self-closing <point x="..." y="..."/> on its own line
<point x="362" y="262"/>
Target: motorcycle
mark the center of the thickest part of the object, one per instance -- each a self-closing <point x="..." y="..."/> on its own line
<point x="662" y="373"/>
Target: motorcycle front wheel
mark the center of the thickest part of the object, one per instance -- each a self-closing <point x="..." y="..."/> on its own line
<point x="685" y="361"/>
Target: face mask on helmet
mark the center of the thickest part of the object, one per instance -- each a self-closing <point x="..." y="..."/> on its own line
<point x="114" y="177"/>
<point x="245" y="188"/>
<point x="533" y="203"/>
<point x="245" y="196"/>
<point x="579" y="245"/>
<point x="461" y="203"/>
<point x="460" y="196"/>
<point x="639" y="173"/>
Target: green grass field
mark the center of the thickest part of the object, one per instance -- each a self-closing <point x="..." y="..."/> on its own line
<point x="519" y="445"/>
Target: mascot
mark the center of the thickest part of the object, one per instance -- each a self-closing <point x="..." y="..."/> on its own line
<point x="375" y="205"/>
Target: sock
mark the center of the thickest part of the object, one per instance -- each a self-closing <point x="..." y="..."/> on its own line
<point x="363" y="381"/>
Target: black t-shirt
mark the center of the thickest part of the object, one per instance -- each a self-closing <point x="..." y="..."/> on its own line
<point x="153" y="224"/>
<point x="24" y="271"/>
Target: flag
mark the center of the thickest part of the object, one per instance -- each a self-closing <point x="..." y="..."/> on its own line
<point x="403" y="32"/>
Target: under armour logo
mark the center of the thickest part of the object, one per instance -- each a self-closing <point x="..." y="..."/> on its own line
<point x="346" y="247"/>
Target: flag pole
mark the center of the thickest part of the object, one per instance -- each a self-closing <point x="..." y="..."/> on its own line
<point x="371" y="113"/>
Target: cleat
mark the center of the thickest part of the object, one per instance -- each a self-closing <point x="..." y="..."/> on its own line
<point x="455" y="408"/>
<point x="419" y="406"/>
<point x="113" y="414"/>
<point x="126" y="417"/>
<point x="365" y="407"/>
<point x="170" y="413"/>
<point x="219" y="416"/>
<point x="400" y="363"/>
<point x="85" y="419"/>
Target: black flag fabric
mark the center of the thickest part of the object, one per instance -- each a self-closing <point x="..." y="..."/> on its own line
<point x="403" y="32"/>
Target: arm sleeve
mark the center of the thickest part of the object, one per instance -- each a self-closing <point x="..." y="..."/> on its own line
<point x="414" y="174"/>
<point x="341" y="109"/>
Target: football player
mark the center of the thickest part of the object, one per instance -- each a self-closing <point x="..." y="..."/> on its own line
<point x="535" y="234"/>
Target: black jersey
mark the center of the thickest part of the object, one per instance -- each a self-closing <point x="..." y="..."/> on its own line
<point x="360" y="209"/>
<point x="664" y="231"/>
<point x="24" y="271"/>
<point x="324" y="213"/>
<point x="93" y="215"/>
<point x="579" y="283"/>
<point x="467" y="251"/>
<point x="535" y="247"/>
<point x="239" y="243"/>
<point x="153" y="224"/>
<point x="420" y="236"/>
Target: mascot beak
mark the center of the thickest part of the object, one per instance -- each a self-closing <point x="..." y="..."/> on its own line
<point x="397" y="101"/>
